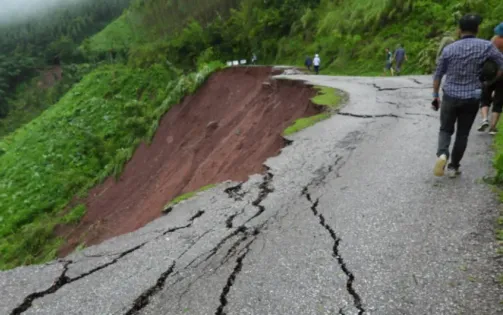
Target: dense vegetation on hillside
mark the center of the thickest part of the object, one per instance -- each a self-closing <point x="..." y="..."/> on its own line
<point x="49" y="38"/>
<point x="349" y="35"/>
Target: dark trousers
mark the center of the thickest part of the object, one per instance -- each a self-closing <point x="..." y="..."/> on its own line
<point x="459" y="113"/>
<point x="317" y="69"/>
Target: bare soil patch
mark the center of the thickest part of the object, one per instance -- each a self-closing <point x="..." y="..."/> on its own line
<point x="225" y="131"/>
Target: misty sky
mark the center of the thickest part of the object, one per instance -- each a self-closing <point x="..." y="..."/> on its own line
<point x="18" y="10"/>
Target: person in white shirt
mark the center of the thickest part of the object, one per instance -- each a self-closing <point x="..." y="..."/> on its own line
<point x="316" y="63"/>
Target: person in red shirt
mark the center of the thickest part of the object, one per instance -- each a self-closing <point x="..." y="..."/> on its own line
<point x="496" y="88"/>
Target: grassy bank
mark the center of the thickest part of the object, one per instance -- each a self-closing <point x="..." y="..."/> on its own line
<point x="88" y="135"/>
<point x="30" y="99"/>
<point x="498" y="181"/>
<point x="327" y="97"/>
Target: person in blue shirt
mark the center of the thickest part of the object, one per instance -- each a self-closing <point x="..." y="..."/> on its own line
<point x="461" y="62"/>
<point x="308" y="63"/>
<point x="400" y="57"/>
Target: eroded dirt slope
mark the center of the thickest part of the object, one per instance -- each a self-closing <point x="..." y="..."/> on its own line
<point x="223" y="132"/>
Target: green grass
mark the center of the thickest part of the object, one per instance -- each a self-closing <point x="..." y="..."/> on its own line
<point x="328" y="97"/>
<point x="30" y="100"/>
<point x="75" y="215"/>
<point x="75" y="144"/>
<point x="303" y="123"/>
<point x="120" y="34"/>
<point x="497" y="182"/>
<point x="186" y="196"/>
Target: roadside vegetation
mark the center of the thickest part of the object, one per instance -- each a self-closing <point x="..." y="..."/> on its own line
<point x="88" y="135"/>
<point x="327" y="97"/>
<point x="349" y="35"/>
<point x="498" y="182"/>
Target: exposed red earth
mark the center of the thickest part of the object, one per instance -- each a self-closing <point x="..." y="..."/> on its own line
<point x="225" y="131"/>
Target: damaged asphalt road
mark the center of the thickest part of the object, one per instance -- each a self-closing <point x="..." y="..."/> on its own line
<point x="347" y="220"/>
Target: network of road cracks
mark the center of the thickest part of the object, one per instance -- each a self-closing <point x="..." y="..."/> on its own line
<point x="242" y="226"/>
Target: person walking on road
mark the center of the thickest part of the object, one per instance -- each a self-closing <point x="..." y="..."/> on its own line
<point x="461" y="62"/>
<point x="389" y="62"/>
<point x="400" y="57"/>
<point x="316" y="63"/>
<point x="493" y="87"/>
<point x="308" y="63"/>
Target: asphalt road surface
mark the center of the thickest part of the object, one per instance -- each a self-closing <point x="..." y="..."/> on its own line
<point x="348" y="220"/>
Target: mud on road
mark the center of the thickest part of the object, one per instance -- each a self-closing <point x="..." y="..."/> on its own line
<point x="224" y="132"/>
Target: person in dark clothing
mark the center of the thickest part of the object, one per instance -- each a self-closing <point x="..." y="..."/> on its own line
<point x="461" y="62"/>
<point x="308" y="63"/>
<point x="400" y="57"/>
<point x="496" y="88"/>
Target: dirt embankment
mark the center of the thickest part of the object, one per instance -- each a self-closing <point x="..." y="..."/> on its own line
<point x="225" y="131"/>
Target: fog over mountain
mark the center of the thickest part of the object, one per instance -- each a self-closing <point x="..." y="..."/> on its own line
<point x="21" y="10"/>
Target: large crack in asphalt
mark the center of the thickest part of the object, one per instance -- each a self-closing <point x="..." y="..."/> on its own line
<point x="63" y="279"/>
<point x="214" y="250"/>
<point x="232" y="279"/>
<point x="368" y="116"/>
<point x="144" y="298"/>
<point x="197" y="215"/>
<point x="28" y="301"/>
<point x="264" y="190"/>
<point x="381" y="89"/>
<point x="357" y="301"/>
<point x="230" y="220"/>
<point x="236" y="192"/>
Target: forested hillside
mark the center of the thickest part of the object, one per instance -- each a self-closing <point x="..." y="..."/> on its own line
<point x="349" y="35"/>
<point x="48" y="38"/>
<point x="123" y="69"/>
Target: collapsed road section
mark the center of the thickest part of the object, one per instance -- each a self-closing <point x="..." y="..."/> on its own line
<point x="224" y="132"/>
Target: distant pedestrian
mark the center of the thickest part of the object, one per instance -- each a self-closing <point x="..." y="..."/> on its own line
<point x="308" y="63"/>
<point x="316" y="63"/>
<point x="389" y="62"/>
<point x="461" y="62"/>
<point x="254" y="59"/>
<point x="400" y="57"/>
<point x="491" y="87"/>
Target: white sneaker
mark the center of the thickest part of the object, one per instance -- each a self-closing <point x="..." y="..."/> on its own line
<point x="484" y="125"/>
<point x="440" y="165"/>
<point x="452" y="172"/>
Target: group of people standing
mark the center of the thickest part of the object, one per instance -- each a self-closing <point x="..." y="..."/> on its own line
<point x="315" y="63"/>
<point x="466" y="89"/>
<point x="398" y="58"/>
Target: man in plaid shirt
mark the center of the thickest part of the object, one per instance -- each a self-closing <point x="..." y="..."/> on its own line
<point x="461" y="62"/>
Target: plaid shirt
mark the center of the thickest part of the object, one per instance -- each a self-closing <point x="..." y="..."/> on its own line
<point x="462" y="62"/>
